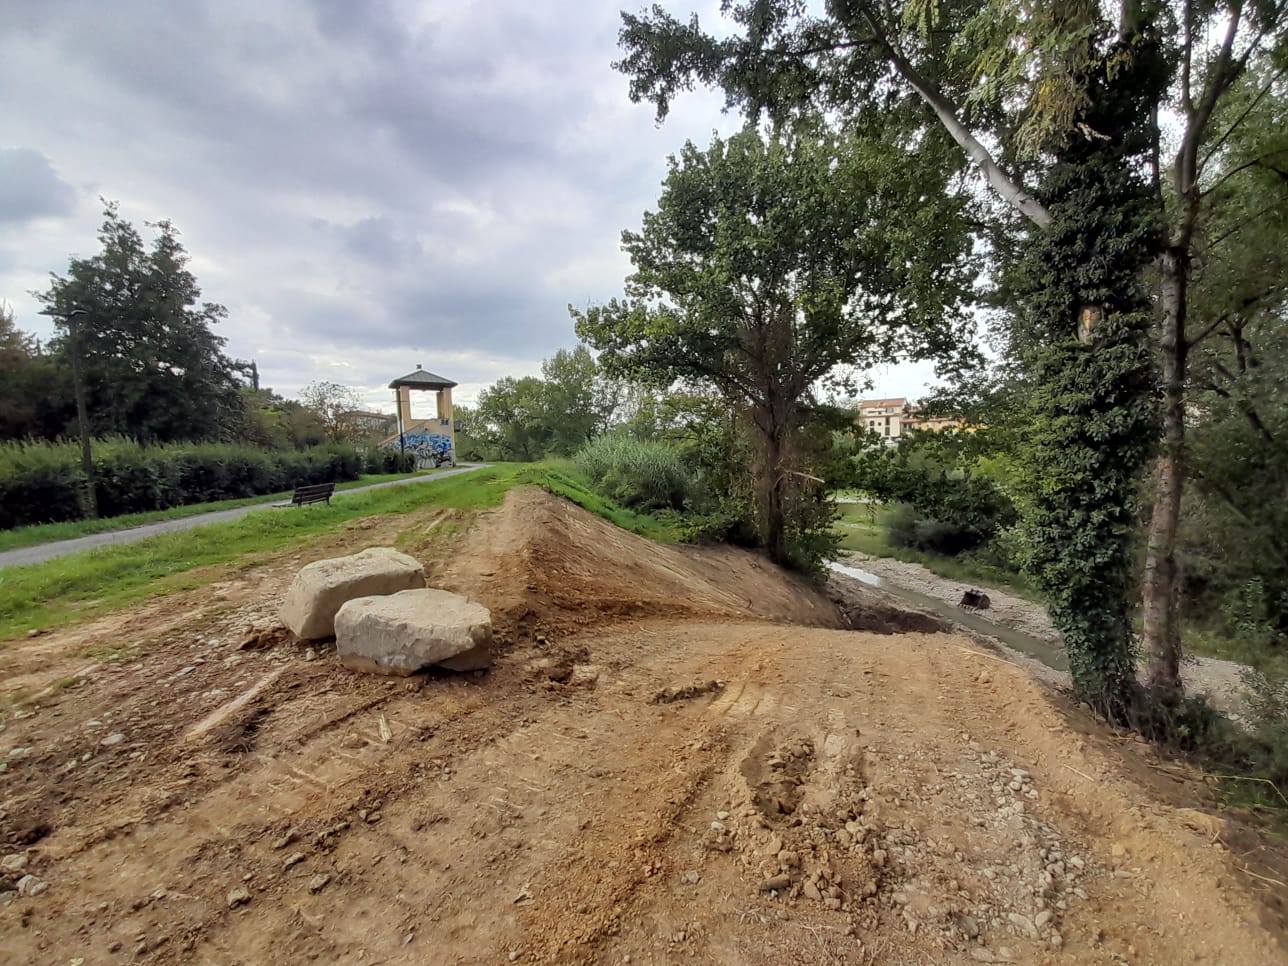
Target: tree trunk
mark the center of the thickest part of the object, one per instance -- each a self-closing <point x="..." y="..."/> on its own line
<point x="775" y="499"/>
<point x="1161" y="591"/>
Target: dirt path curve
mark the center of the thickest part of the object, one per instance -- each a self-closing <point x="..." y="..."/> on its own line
<point x="61" y="548"/>
<point x="1220" y="680"/>
<point x="647" y="788"/>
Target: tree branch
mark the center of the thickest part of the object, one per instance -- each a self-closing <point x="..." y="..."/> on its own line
<point x="945" y="110"/>
<point x="1243" y="116"/>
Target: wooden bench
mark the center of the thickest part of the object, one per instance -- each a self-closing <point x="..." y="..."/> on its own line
<point x="313" y="493"/>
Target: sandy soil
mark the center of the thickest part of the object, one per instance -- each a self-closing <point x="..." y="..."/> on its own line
<point x="1220" y="680"/>
<point x="679" y="756"/>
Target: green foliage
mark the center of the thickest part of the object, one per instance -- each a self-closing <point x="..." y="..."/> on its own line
<point x="533" y="418"/>
<point x="40" y="482"/>
<point x="35" y="391"/>
<point x="637" y="474"/>
<point x="1091" y="401"/>
<point x="379" y="461"/>
<point x="950" y="509"/>
<point x="132" y="319"/>
<point x="769" y="266"/>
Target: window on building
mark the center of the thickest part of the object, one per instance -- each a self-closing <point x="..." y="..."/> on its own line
<point x="887" y="429"/>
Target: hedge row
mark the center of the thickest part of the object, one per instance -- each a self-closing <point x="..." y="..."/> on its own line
<point x="42" y="482"/>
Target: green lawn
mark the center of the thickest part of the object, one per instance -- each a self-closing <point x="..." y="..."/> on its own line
<point x="50" y="532"/>
<point x="83" y="585"/>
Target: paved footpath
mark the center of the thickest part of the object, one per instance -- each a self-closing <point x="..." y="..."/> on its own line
<point x="61" y="548"/>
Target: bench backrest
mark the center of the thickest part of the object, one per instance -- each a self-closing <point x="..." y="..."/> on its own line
<point x="313" y="493"/>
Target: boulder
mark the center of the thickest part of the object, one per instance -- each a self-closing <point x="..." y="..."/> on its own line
<point x="320" y="589"/>
<point x="412" y="630"/>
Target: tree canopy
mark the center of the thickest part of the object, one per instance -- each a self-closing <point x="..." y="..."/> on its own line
<point x="770" y="264"/>
<point x="154" y="368"/>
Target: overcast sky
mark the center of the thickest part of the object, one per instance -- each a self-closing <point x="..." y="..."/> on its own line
<point x="367" y="185"/>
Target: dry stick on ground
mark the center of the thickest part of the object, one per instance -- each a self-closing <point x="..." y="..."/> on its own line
<point x="1081" y="774"/>
<point x="1263" y="878"/>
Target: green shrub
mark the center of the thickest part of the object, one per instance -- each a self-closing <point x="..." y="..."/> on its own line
<point x="42" y="482"/>
<point x="906" y="527"/>
<point x="636" y="474"/>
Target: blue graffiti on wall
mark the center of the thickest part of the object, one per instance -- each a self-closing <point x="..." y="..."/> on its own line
<point x="431" y="449"/>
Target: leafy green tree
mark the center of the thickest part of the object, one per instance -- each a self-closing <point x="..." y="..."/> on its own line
<point x="771" y="264"/>
<point x="329" y="403"/>
<point x="35" y="393"/>
<point x="154" y="369"/>
<point x="511" y="419"/>
<point x="580" y="402"/>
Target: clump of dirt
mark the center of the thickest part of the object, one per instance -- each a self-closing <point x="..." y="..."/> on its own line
<point x="686" y="693"/>
<point x="868" y="609"/>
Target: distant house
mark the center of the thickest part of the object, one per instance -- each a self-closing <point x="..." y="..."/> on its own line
<point x="363" y="423"/>
<point x="895" y="418"/>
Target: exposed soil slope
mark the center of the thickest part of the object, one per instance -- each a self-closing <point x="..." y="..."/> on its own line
<point x="653" y="772"/>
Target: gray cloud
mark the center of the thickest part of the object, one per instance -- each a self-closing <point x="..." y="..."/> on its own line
<point x="366" y="185"/>
<point x="30" y="187"/>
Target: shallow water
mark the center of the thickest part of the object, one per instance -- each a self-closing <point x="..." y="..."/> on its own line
<point x="1051" y="655"/>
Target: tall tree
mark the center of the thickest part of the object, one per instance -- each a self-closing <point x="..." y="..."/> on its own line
<point x="1014" y="84"/>
<point x="153" y="367"/>
<point x="580" y="400"/>
<point x="771" y="264"/>
<point x="511" y="419"/>
<point x="330" y="402"/>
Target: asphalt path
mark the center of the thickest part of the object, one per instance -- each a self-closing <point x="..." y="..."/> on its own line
<point x="61" y="548"/>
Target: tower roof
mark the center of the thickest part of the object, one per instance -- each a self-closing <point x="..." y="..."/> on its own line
<point x="422" y="379"/>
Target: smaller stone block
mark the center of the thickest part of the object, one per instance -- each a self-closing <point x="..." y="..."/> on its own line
<point x="412" y="630"/>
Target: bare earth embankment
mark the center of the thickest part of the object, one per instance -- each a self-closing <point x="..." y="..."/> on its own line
<point x="679" y="756"/>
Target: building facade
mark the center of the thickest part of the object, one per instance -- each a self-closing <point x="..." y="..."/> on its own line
<point x="894" y="418"/>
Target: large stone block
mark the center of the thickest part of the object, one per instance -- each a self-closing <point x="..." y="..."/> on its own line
<point x="320" y="589"/>
<point x="412" y="630"/>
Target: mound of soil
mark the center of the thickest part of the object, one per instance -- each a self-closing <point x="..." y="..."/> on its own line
<point x="544" y="565"/>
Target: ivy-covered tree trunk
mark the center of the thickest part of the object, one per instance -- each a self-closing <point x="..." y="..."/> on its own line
<point x="1084" y="342"/>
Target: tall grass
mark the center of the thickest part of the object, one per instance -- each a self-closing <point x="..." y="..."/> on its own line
<point x="637" y="475"/>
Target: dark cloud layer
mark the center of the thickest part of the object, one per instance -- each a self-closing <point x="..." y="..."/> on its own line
<point x="366" y="184"/>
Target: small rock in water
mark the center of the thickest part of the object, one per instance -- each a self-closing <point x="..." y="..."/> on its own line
<point x="238" y="897"/>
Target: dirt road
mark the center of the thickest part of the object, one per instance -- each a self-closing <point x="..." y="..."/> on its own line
<point x="655" y="771"/>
